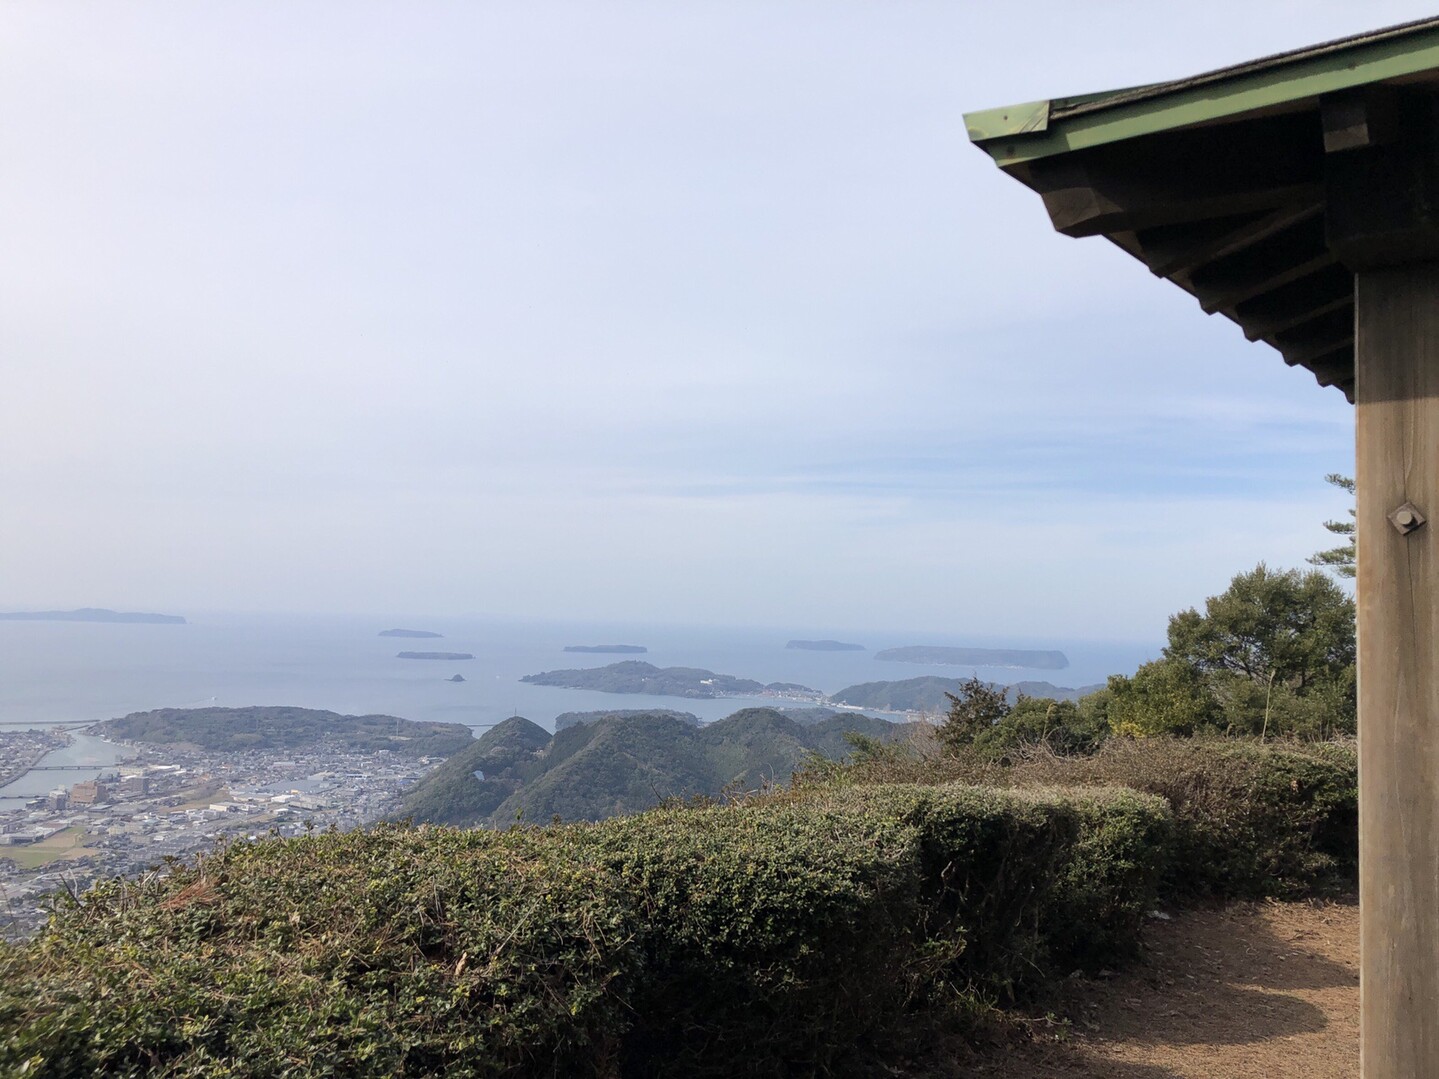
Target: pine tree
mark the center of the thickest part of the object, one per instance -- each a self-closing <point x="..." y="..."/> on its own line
<point x="1339" y="560"/>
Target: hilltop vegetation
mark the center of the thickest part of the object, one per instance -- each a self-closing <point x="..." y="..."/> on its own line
<point x="835" y="928"/>
<point x="472" y="784"/>
<point x="238" y="729"/>
<point x="624" y="763"/>
<point x="569" y="719"/>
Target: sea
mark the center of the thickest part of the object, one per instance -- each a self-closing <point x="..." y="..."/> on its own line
<point x="76" y="673"/>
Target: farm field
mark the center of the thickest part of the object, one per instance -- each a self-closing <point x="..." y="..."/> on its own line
<point x="68" y="844"/>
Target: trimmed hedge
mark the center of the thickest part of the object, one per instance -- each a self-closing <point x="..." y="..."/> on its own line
<point x="390" y="952"/>
<point x="1251" y="821"/>
<point x="794" y="934"/>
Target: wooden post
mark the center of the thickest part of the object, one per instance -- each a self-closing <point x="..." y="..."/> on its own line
<point x="1397" y="444"/>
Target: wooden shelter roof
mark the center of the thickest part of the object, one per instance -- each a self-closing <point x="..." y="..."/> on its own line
<point x="1221" y="182"/>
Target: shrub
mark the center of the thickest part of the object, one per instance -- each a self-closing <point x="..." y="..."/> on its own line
<point x="390" y="952"/>
<point x="794" y="934"/>
<point x="776" y="937"/>
<point x="1251" y="820"/>
<point x="1030" y="883"/>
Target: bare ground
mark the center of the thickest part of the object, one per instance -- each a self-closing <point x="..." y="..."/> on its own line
<point x="1243" y="992"/>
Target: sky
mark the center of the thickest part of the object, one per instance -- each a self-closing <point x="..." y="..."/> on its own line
<point x="705" y="313"/>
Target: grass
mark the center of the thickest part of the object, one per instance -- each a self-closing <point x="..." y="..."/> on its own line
<point x="61" y="846"/>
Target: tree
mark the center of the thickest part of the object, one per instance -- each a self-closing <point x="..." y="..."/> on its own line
<point x="976" y="708"/>
<point x="1167" y="696"/>
<point x="981" y="716"/>
<point x="1270" y="626"/>
<point x="1275" y="643"/>
<point x="1339" y="559"/>
<point x="1065" y="727"/>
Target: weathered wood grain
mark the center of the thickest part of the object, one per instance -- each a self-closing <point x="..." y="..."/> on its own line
<point x="1397" y="442"/>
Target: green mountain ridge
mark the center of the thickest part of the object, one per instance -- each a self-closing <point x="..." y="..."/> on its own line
<point x="622" y="764"/>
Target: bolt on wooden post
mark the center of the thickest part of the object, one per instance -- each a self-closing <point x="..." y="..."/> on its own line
<point x="1380" y="190"/>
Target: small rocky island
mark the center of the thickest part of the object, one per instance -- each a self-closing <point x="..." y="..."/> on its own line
<point x="826" y="646"/>
<point x="434" y="655"/>
<point x="976" y="657"/>
<point x="623" y="649"/>
<point x="636" y="676"/>
<point x="93" y="614"/>
<point x="455" y="678"/>
<point x="408" y="633"/>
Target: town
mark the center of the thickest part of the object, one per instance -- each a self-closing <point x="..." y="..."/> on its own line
<point x="171" y="802"/>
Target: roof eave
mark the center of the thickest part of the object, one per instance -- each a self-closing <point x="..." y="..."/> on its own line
<point x="1039" y="129"/>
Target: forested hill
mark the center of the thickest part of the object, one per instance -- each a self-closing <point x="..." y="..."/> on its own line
<point x="927" y="693"/>
<point x="623" y="764"/>
<point x="238" y="729"/>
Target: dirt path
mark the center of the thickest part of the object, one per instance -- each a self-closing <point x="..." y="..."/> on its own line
<point x="1246" y="992"/>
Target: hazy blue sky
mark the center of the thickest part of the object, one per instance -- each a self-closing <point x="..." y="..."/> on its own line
<point x="702" y="312"/>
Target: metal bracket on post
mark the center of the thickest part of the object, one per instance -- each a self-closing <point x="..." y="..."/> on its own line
<point x="1406" y="518"/>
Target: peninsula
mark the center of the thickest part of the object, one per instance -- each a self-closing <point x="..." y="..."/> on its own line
<point x="825" y="646"/>
<point x="261" y="728"/>
<point x="629" y="649"/>
<point x="409" y="633"/>
<point x="93" y="614"/>
<point x="931" y="694"/>
<point x="434" y="655"/>
<point x="976" y="657"/>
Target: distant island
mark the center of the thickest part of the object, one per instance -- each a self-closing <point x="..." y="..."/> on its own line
<point x="825" y="646"/>
<point x="636" y="676"/>
<point x="241" y="729"/>
<point x="455" y="678"/>
<point x="630" y="649"/>
<point x="434" y="655"/>
<point x="976" y="657"/>
<point x="927" y="693"/>
<point x="93" y="614"/>
<point x="408" y="633"/>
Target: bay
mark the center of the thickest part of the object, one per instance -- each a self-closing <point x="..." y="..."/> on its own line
<point x="76" y="673"/>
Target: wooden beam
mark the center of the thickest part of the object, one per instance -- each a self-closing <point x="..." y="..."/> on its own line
<point x="1333" y="368"/>
<point x="1317" y="337"/>
<point x="1380" y="198"/>
<point x="1253" y="166"/>
<point x="1295" y="253"/>
<point x="1359" y="119"/>
<point x="1397" y="441"/>
<point x="1308" y="353"/>
<point x="1331" y="289"/>
<point x="1181" y="249"/>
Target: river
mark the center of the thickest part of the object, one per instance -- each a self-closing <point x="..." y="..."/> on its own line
<point x="84" y="758"/>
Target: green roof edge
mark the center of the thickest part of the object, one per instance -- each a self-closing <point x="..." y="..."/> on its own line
<point x="1038" y="129"/>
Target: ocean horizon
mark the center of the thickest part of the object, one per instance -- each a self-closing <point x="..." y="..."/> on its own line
<point x="82" y="672"/>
